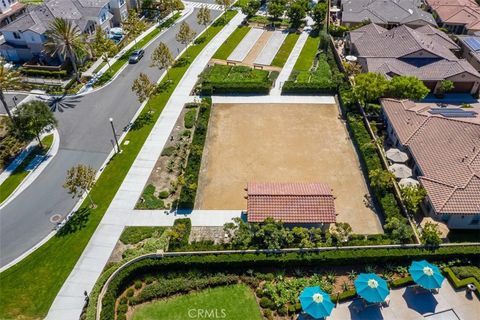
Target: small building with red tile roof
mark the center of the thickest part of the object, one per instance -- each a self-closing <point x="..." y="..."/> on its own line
<point x="291" y="203"/>
<point x="444" y="143"/>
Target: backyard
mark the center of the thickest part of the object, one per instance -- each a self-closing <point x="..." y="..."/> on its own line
<point x="266" y="147"/>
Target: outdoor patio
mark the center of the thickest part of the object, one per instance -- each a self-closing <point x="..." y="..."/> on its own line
<point x="405" y="304"/>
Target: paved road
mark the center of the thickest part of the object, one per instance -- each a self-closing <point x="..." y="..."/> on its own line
<point x="10" y="102"/>
<point x="85" y="137"/>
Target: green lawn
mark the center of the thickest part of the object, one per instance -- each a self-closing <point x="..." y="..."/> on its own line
<point x="17" y="176"/>
<point x="231" y="43"/>
<point x="232" y="302"/>
<point x="285" y="50"/>
<point x="307" y="55"/>
<point x="140" y="44"/>
<point x="29" y="288"/>
<point x="222" y="73"/>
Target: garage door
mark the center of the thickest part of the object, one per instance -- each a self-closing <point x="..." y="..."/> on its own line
<point x="462" y="86"/>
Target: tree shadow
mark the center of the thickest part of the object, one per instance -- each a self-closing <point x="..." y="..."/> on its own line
<point x="61" y="103"/>
<point x="181" y="62"/>
<point x="164" y="86"/>
<point x="141" y="121"/>
<point x="76" y="222"/>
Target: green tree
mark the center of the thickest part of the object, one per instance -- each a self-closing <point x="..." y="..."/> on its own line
<point x="240" y="232"/>
<point x="407" y="87"/>
<point x="9" y="80"/>
<point x="65" y="38"/>
<point x="103" y="46"/>
<point x="301" y="238"/>
<point x="133" y="26"/>
<point x="296" y="13"/>
<point x="185" y="35"/>
<point x="381" y="179"/>
<point x="251" y="8"/>
<point x="162" y="57"/>
<point x="80" y="179"/>
<point x="32" y="118"/>
<point x="271" y="234"/>
<point x="369" y="87"/>
<point x="341" y="231"/>
<point x="444" y="87"/>
<point x="203" y="16"/>
<point x="318" y="13"/>
<point x="143" y="87"/>
<point x="398" y="229"/>
<point x="225" y="4"/>
<point x="275" y="10"/>
<point x="413" y="197"/>
<point x="430" y="234"/>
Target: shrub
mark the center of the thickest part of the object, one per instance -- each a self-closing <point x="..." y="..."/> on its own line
<point x="122" y="308"/>
<point x="179" y="233"/>
<point x="323" y="87"/>
<point x="457" y="283"/>
<point x="163" y="194"/>
<point x="168" y="151"/>
<point x="189" y="118"/>
<point x="344" y="296"/>
<point x="149" y="200"/>
<point x="282" y="311"/>
<point x="149" y="280"/>
<point x="464" y="272"/>
<point x="266" y="303"/>
<point x="44" y="73"/>
<point x="259" y="292"/>
<point x="402" y="282"/>
<point x="123" y="300"/>
<point x="130" y="292"/>
<point x="121" y="316"/>
<point x="138" y="284"/>
<point x="267" y="313"/>
<point x="133" y="235"/>
<point x="189" y="190"/>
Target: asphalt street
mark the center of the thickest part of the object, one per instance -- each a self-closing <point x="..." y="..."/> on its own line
<point x="85" y="137"/>
<point x="10" y="102"/>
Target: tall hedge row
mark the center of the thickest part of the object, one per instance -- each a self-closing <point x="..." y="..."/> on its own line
<point x="189" y="190"/>
<point x="223" y="262"/>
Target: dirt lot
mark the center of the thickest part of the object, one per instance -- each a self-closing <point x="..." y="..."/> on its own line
<point x="282" y="143"/>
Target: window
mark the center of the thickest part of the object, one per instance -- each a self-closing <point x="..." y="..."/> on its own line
<point x="475" y="220"/>
<point x="16" y="35"/>
<point x="103" y="17"/>
<point x="121" y="2"/>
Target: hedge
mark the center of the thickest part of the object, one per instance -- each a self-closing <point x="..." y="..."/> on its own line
<point x="189" y="190"/>
<point x="222" y="262"/>
<point x="44" y="73"/>
<point x="183" y="233"/>
<point x="457" y="283"/>
<point x="344" y="296"/>
<point x="292" y="87"/>
<point x="210" y="88"/>
<point x="402" y="282"/>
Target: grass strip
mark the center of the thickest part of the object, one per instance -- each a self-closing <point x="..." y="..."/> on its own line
<point x="114" y="68"/>
<point x="284" y="52"/>
<point x="231" y="43"/>
<point x="19" y="174"/>
<point x="308" y="53"/>
<point x="29" y="288"/>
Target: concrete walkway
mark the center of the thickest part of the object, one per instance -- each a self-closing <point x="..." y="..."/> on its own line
<point x="288" y="67"/>
<point x="70" y="300"/>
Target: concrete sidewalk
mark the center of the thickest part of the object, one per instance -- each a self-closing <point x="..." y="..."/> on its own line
<point x="288" y="67"/>
<point x="70" y="300"/>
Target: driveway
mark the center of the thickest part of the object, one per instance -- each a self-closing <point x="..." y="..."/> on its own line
<point x="85" y="137"/>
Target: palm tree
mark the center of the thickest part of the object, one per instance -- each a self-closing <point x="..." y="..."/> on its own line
<point x="65" y="38"/>
<point x="9" y="80"/>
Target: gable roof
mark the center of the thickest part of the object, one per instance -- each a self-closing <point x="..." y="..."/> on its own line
<point x="385" y="12"/>
<point x="463" y="12"/>
<point x="290" y="202"/>
<point x="446" y="150"/>
<point x="424" y="52"/>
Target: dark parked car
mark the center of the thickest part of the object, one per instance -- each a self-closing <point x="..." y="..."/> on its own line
<point x="136" y="56"/>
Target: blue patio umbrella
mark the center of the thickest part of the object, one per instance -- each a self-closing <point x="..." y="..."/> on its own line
<point x="316" y="302"/>
<point x="426" y="275"/>
<point x="371" y="287"/>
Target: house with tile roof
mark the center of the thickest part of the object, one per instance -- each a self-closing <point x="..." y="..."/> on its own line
<point x="24" y="38"/>
<point x="10" y="10"/>
<point x="458" y="16"/>
<point x="309" y="204"/>
<point x="425" y="52"/>
<point x="444" y="144"/>
<point x="470" y="46"/>
<point x="386" y="13"/>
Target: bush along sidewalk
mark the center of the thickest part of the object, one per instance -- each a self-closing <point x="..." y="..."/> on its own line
<point x="29" y="287"/>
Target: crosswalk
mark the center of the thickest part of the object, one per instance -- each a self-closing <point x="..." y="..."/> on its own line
<point x="211" y="6"/>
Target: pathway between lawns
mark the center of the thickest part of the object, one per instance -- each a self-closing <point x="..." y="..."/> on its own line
<point x="70" y="300"/>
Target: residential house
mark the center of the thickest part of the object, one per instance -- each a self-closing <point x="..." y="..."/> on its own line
<point x="307" y="204"/>
<point x="444" y="144"/>
<point x="10" y="10"/>
<point x="458" y="16"/>
<point x="425" y="52"/>
<point x="471" y="49"/>
<point x="24" y="38"/>
<point x="386" y="13"/>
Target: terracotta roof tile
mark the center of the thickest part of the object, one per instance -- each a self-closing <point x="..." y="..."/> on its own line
<point x="290" y="202"/>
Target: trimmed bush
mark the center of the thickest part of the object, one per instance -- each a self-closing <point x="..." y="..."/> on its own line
<point x="323" y="87"/>
<point x="344" y="296"/>
<point x="179" y="233"/>
<point x="122" y="308"/>
<point x="163" y="194"/>
<point x="457" y="283"/>
<point x="138" y="284"/>
<point x="266" y="303"/>
<point x="189" y="118"/>
<point x="130" y="292"/>
<point x="44" y="73"/>
<point x="402" y="282"/>
<point x="463" y="272"/>
<point x="168" y="151"/>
